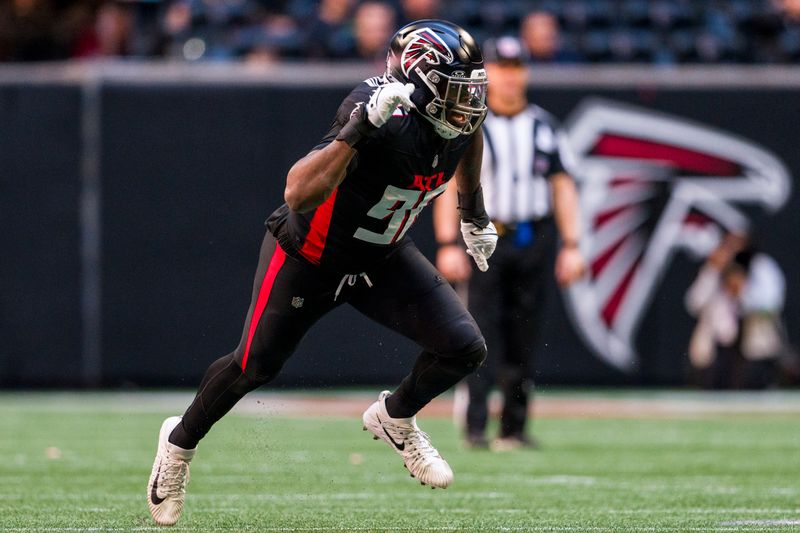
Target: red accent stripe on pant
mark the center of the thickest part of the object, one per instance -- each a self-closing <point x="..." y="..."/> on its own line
<point x="275" y="264"/>
<point x="318" y="230"/>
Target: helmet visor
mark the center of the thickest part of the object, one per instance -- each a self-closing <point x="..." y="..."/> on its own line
<point x="461" y="102"/>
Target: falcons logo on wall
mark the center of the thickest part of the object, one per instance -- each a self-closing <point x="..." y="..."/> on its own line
<point x="652" y="185"/>
<point x="425" y="44"/>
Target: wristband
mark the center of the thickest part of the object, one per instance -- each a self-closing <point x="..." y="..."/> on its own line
<point x="452" y="242"/>
<point x="569" y="244"/>
<point x="356" y="128"/>
<point x="471" y="207"/>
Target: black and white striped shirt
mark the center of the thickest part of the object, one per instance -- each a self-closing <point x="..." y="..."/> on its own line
<point x="520" y="153"/>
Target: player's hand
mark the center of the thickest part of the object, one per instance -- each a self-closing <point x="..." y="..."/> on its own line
<point x="570" y="266"/>
<point x="385" y="100"/>
<point x="453" y="263"/>
<point x="480" y="242"/>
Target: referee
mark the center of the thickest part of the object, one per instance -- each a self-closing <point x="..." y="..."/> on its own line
<point x="529" y="196"/>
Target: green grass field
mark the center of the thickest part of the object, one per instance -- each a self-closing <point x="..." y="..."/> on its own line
<point x="81" y="462"/>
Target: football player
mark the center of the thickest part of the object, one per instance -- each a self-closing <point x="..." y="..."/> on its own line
<point x="395" y="142"/>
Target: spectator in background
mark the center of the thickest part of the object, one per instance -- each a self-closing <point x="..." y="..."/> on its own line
<point x="411" y="10"/>
<point x="267" y="36"/>
<point x="738" y="297"/>
<point x="373" y="25"/>
<point x="542" y="36"/>
<point x="114" y="29"/>
<point x="27" y="31"/>
<point x="327" y="28"/>
<point x="790" y="9"/>
<point x="176" y="26"/>
<point x="365" y="38"/>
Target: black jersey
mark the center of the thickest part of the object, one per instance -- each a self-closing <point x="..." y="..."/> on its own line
<point x="398" y="170"/>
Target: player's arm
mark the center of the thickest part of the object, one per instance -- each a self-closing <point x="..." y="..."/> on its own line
<point x="468" y="172"/>
<point x="451" y="260"/>
<point x="565" y="209"/>
<point x="570" y="264"/>
<point x="479" y="233"/>
<point x="313" y="178"/>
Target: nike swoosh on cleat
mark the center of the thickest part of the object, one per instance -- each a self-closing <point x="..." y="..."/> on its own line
<point x="153" y="493"/>
<point x="401" y="446"/>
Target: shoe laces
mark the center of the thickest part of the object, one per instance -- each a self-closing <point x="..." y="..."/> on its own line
<point x="421" y="442"/>
<point x="174" y="477"/>
<point x="418" y="443"/>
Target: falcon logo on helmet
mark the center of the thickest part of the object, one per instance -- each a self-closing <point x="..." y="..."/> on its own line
<point x="652" y="185"/>
<point x="424" y="45"/>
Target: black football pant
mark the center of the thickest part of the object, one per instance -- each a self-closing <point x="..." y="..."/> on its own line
<point x="506" y="301"/>
<point x="403" y="292"/>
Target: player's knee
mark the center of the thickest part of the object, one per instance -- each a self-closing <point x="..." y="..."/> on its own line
<point x="475" y="357"/>
<point x="471" y="357"/>
<point x="258" y="369"/>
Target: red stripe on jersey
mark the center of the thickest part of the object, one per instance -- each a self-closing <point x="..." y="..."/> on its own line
<point x="275" y="264"/>
<point x="318" y="230"/>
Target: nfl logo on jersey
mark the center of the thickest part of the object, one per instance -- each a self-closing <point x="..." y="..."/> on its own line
<point x="297" y="302"/>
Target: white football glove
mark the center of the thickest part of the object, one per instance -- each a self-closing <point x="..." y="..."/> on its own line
<point x="480" y="242"/>
<point x="385" y="99"/>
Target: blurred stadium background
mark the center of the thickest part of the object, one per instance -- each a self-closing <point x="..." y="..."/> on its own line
<point x="145" y="142"/>
<point x="142" y="144"/>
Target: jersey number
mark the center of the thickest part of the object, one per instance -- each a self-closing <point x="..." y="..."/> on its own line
<point x="401" y="207"/>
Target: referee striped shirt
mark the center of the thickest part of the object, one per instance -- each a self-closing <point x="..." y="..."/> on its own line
<point x="520" y="153"/>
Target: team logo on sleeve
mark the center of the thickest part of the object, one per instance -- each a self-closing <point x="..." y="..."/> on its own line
<point x="652" y="185"/>
<point x="425" y="45"/>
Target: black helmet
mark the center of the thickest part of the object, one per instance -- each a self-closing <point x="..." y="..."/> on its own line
<point x="442" y="60"/>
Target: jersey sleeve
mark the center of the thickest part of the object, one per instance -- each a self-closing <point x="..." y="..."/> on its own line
<point x="566" y="157"/>
<point x="550" y="142"/>
<point x="357" y="97"/>
<point x="556" y="161"/>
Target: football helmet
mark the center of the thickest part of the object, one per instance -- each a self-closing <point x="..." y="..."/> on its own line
<point x="445" y="65"/>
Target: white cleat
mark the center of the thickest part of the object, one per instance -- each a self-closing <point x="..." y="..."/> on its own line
<point x="166" y="489"/>
<point x="414" y="445"/>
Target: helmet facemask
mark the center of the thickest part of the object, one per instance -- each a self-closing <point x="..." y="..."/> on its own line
<point x="458" y="106"/>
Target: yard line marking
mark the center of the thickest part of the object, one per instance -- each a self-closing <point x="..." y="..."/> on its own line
<point x="781" y="522"/>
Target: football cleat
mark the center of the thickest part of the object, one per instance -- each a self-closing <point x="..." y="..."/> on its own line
<point x="166" y="489"/>
<point x="414" y="445"/>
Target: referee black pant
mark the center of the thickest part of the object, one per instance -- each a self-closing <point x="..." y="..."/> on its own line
<point x="506" y="302"/>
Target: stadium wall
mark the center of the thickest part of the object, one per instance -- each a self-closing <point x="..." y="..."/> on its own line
<point x="134" y="195"/>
